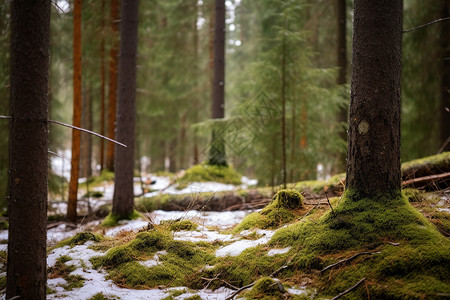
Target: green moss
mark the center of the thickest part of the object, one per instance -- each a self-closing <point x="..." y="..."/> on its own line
<point x="2" y="282"/>
<point x="205" y="172"/>
<point x="441" y="160"/>
<point x="194" y="297"/>
<point x="100" y="296"/>
<point x="174" y="293"/>
<point x="182" y="260"/>
<point x="60" y="269"/>
<point x="80" y="238"/>
<point x="266" y="288"/>
<point x="285" y="206"/>
<point x="177" y="225"/>
<point x="361" y="224"/>
<point x="414" y="195"/>
<point x="73" y="282"/>
<point x="113" y="219"/>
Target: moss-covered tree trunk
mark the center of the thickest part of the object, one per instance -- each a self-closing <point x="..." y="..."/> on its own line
<point x="373" y="158"/>
<point x="123" y="200"/>
<point x="26" y="268"/>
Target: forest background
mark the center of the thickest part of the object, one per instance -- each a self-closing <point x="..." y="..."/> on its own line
<point x="174" y="85"/>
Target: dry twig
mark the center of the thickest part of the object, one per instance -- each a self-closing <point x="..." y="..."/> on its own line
<point x="346" y="260"/>
<point x="349" y="289"/>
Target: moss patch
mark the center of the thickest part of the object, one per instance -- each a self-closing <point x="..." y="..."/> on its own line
<point x="286" y="205"/>
<point x="179" y="261"/>
<point x="80" y="238"/>
<point x="113" y="219"/>
<point x="266" y="288"/>
<point x="205" y="172"/>
<point x="177" y="225"/>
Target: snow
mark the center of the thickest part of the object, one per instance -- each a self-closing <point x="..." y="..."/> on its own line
<point x="238" y="247"/>
<point x="273" y="252"/>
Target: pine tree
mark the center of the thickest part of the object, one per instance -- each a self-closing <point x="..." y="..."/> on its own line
<point x="373" y="159"/>
<point x="27" y="245"/>
<point x="123" y="200"/>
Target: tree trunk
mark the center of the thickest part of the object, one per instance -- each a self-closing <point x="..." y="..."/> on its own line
<point x="445" y="79"/>
<point x="123" y="200"/>
<point x="86" y="139"/>
<point x="283" y="109"/>
<point x="217" y="151"/>
<point x="113" y="58"/>
<point x="26" y="267"/>
<point x="341" y="16"/>
<point x="77" y="104"/>
<point x="373" y="159"/>
<point x="102" y="87"/>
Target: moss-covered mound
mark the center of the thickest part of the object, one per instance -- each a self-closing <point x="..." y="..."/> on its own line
<point x="80" y="238"/>
<point x="205" y="172"/>
<point x="266" y="288"/>
<point x="383" y="242"/>
<point x="177" y="261"/>
<point x="113" y="219"/>
<point x="286" y="205"/>
<point x="177" y="225"/>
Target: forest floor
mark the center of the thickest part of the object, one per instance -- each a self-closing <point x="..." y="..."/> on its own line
<point x="192" y="253"/>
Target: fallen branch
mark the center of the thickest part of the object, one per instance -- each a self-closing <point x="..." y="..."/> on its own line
<point x="253" y="283"/>
<point x="346" y="260"/>
<point x="348" y="290"/>
<point x="427" y="179"/>
<point x="432" y="22"/>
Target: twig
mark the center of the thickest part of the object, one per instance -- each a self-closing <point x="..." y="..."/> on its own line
<point x="326" y="194"/>
<point x="348" y="290"/>
<point x="346" y="260"/>
<point x="432" y="22"/>
<point x="87" y="131"/>
<point x="431" y="178"/>
<point x="5" y="117"/>
<point x="253" y="283"/>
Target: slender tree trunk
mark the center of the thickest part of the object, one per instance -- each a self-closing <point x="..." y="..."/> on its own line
<point x="182" y="153"/>
<point x="283" y="110"/>
<point x="217" y="151"/>
<point x="77" y="105"/>
<point x="123" y="200"/>
<point x="102" y="87"/>
<point x="86" y="139"/>
<point x="445" y="79"/>
<point x="373" y="159"/>
<point x="26" y="267"/>
<point x="172" y="153"/>
<point x="341" y="16"/>
<point x="196" y="96"/>
<point x="113" y="58"/>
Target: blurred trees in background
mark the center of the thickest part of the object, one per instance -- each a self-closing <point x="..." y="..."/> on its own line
<point x="275" y="50"/>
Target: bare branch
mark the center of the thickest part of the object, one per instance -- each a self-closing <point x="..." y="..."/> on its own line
<point x="424" y="25"/>
<point x="349" y="289"/>
<point x="5" y="117"/>
<point x="87" y="131"/>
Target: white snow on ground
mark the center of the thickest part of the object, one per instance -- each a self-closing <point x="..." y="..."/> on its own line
<point x="273" y="252"/>
<point x="238" y="247"/>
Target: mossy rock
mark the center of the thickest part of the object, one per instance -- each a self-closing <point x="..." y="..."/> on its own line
<point x="80" y="238"/>
<point x="286" y="205"/>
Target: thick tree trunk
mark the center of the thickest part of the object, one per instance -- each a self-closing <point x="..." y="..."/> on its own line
<point x="113" y="58"/>
<point x="217" y="152"/>
<point x="26" y="267"/>
<point x="123" y="200"/>
<point x="445" y="79"/>
<point x="373" y="160"/>
<point x="341" y="16"/>
<point x="77" y="105"/>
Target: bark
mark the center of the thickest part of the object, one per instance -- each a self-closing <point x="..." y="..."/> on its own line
<point x="373" y="159"/>
<point x="86" y="139"/>
<point x="123" y="200"/>
<point x="102" y="88"/>
<point x="341" y="16"/>
<point x="77" y="105"/>
<point x="113" y="59"/>
<point x="217" y="151"/>
<point x="26" y="266"/>
<point x="445" y="79"/>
